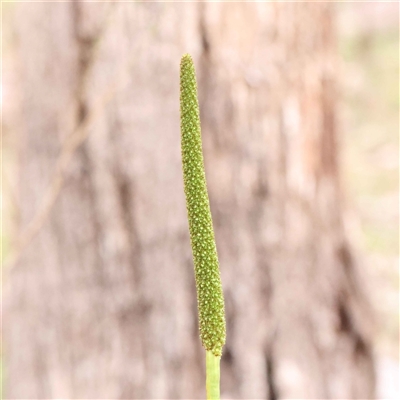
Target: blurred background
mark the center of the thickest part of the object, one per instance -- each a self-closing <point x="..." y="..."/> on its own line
<point x="300" y="119"/>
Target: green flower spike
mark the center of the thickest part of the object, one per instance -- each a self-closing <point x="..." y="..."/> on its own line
<point x="210" y="298"/>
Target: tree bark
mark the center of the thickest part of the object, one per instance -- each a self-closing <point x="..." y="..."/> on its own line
<point x="101" y="302"/>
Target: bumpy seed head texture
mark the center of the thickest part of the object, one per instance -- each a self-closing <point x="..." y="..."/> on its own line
<point x="210" y="298"/>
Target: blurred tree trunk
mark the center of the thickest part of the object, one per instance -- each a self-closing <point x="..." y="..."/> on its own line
<point x="101" y="303"/>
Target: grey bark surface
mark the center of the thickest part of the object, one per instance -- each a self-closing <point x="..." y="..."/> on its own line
<point x="101" y="303"/>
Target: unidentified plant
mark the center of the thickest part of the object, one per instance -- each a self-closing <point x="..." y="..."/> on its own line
<point x="210" y="298"/>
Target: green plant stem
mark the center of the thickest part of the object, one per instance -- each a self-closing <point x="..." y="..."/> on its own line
<point x="212" y="375"/>
<point x="210" y="298"/>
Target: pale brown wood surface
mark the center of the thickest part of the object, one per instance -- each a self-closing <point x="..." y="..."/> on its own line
<point x="101" y="303"/>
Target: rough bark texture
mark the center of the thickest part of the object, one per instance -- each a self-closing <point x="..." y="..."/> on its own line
<point x="102" y="303"/>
